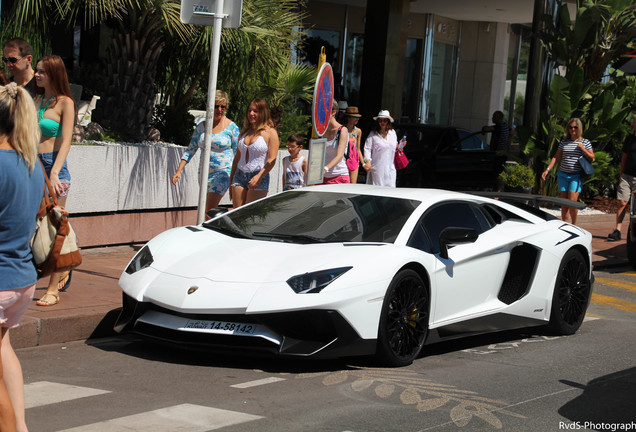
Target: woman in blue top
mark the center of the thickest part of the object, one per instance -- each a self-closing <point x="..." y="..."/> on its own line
<point x="224" y="139"/>
<point x="569" y="176"/>
<point x="20" y="196"/>
<point x="56" y="114"/>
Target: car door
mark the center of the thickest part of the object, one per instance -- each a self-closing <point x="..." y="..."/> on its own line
<point x="463" y="161"/>
<point x="467" y="282"/>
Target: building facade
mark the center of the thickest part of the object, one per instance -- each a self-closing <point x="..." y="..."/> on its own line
<point x="450" y="64"/>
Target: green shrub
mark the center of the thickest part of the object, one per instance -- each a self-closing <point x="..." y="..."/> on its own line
<point x="518" y="176"/>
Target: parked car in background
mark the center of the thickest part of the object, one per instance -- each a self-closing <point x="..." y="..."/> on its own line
<point x="447" y="157"/>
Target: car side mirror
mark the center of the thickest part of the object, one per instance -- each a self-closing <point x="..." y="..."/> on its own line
<point x="453" y="236"/>
<point x="216" y="211"/>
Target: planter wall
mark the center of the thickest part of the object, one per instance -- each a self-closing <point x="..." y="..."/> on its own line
<point x="123" y="193"/>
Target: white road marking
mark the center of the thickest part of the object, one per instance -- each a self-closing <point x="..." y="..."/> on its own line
<point x="182" y="418"/>
<point x="257" y="382"/>
<point x="45" y="393"/>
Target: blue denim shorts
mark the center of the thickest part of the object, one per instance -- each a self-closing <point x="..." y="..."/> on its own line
<point x="242" y="179"/>
<point x="569" y="182"/>
<point x="48" y="159"/>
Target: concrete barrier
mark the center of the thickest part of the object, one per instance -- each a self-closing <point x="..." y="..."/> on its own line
<point x="122" y="193"/>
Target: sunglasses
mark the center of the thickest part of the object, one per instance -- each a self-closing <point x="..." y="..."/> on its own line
<point x="12" y="60"/>
<point x="220" y="106"/>
<point x="573" y="127"/>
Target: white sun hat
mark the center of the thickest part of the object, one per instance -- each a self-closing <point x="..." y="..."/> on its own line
<point x="383" y="114"/>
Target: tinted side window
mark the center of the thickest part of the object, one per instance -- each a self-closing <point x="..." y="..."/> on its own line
<point x="455" y="214"/>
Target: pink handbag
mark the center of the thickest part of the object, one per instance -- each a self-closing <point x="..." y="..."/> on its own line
<point x="400" y="160"/>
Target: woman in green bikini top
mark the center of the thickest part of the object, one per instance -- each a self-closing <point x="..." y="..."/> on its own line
<point x="56" y="115"/>
<point x="48" y="127"/>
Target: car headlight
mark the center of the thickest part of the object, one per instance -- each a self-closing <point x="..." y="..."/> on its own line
<point x="311" y="283"/>
<point x="142" y="260"/>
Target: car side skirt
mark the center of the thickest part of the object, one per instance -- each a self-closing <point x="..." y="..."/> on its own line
<point x="477" y="326"/>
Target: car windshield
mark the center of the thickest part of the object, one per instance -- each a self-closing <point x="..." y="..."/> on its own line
<point x="318" y="217"/>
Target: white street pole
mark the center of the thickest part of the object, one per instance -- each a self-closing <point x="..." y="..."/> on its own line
<point x="209" y="114"/>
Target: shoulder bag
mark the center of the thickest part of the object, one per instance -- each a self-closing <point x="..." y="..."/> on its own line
<point x="54" y="243"/>
<point x="587" y="169"/>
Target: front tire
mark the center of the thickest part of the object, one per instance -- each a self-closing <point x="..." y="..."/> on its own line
<point x="404" y="319"/>
<point x="571" y="296"/>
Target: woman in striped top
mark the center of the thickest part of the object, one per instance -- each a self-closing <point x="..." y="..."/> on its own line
<point x="569" y="175"/>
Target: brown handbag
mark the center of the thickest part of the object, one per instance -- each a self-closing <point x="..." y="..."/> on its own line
<point x="54" y="243"/>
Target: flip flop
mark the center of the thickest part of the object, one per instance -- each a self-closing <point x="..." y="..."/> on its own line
<point x="65" y="281"/>
<point x="44" y="302"/>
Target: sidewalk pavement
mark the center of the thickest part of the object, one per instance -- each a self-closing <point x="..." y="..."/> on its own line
<point x="91" y="305"/>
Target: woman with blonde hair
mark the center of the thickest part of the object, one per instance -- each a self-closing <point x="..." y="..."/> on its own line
<point x="222" y="149"/>
<point x="22" y="189"/>
<point x="569" y="179"/>
<point x="256" y="155"/>
<point x="56" y="114"/>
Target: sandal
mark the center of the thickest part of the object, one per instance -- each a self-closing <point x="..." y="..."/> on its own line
<point x="65" y="281"/>
<point x="44" y="302"/>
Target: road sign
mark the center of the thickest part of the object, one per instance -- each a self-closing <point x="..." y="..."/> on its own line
<point x="202" y="12"/>
<point x="323" y="98"/>
<point x="217" y="13"/>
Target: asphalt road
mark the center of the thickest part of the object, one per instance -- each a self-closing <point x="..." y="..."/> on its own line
<point x="514" y="381"/>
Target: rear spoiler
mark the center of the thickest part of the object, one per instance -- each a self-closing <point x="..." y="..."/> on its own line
<point x="530" y="199"/>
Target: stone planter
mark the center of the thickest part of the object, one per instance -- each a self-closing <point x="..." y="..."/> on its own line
<point x="122" y="193"/>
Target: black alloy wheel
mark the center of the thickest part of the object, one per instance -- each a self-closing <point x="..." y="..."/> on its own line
<point x="404" y="319"/>
<point x="571" y="294"/>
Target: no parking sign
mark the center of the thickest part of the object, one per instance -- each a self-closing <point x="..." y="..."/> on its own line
<point x="323" y="98"/>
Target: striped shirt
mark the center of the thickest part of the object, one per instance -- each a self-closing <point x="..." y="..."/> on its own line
<point x="571" y="154"/>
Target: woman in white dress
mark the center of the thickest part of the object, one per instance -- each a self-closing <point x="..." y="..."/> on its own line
<point x="379" y="152"/>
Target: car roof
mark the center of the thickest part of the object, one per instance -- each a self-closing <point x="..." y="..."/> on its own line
<point x="420" y="194"/>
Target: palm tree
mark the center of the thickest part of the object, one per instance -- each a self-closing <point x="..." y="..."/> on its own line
<point x="254" y="62"/>
<point x="133" y="53"/>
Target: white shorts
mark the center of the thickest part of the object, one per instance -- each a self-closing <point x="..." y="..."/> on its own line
<point x="13" y="304"/>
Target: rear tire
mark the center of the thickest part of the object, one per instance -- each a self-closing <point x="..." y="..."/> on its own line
<point x="571" y="296"/>
<point x="404" y="319"/>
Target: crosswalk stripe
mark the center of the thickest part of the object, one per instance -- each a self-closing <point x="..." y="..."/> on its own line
<point x="613" y="302"/>
<point x="625" y="285"/>
<point x="257" y="382"/>
<point x="182" y="418"/>
<point x="45" y="393"/>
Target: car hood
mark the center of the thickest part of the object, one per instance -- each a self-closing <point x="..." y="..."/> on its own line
<point x="202" y="253"/>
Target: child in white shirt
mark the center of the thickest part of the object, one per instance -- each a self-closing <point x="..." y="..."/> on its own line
<point x="294" y="165"/>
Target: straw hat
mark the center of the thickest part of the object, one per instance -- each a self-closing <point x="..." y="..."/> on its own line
<point x="352" y="111"/>
<point x="383" y="114"/>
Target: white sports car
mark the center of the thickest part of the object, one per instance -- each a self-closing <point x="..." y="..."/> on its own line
<point x="330" y="271"/>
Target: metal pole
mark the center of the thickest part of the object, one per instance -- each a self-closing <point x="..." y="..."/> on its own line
<point x="209" y="114"/>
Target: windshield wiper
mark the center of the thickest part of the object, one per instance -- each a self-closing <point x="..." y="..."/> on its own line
<point x="303" y="237"/>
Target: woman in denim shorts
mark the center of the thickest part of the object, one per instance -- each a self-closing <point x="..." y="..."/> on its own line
<point x="256" y="155"/>
<point x="569" y="178"/>
<point x="56" y="115"/>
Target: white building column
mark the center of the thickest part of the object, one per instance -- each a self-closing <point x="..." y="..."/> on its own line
<point x="481" y="80"/>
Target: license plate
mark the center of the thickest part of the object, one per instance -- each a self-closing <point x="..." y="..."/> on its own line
<point x="220" y="327"/>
